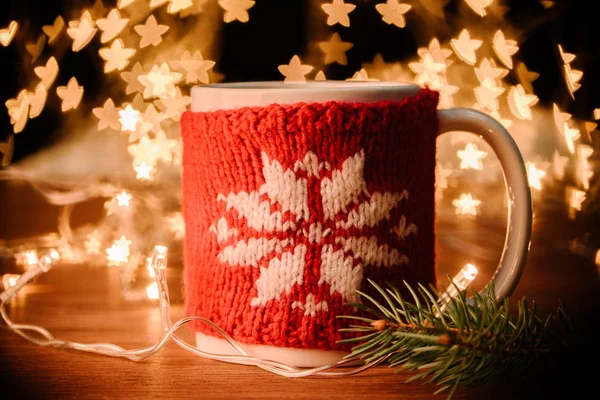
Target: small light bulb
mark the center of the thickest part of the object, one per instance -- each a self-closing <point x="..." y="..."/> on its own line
<point x="9" y="280"/>
<point x="159" y="258"/>
<point x="152" y="291"/>
<point x="470" y="272"/>
<point x="151" y="272"/>
<point x="54" y="254"/>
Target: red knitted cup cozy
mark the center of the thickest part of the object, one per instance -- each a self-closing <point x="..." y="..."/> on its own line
<point x="290" y="208"/>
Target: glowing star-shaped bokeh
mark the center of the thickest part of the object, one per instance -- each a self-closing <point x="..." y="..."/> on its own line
<point x="393" y="12"/>
<point x="570" y="135"/>
<point x="163" y="147"/>
<point x="37" y="100"/>
<point x="55" y="30"/>
<point x="335" y="50"/>
<point x="151" y="32"/>
<point x="471" y="157"/>
<point x="48" y="72"/>
<point x="560" y="119"/>
<point x="196" y="8"/>
<point x="487" y="70"/>
<point x="236" y="10"/>
<point x="504" y="48"/>
<point x="320" y="76"/>
<point x="108" y="116"/>
<point x="520" y="103"/>
<point x="572" y="76"/>
<point x="575" y="199"/>
<point x="7" y="34"/>
<point x="337" y="12"/>
<point x="119" y="252"/>
<point x="70" y="95"/>
<point x="116" y="56"/>
<point x="534" y="175"/>
<point x="427" y="71"/>
<point x="526" y="77"/>
<point x="143" y="152"/>
<point x="132" y="79"/>
<point x="361" y="76"/>
<point x="439" y="54"/>
<point x="559" y="164"/>
<point x="441" y="181"/>
<point x="487" y="94"/>
<point x="446" y="91"/>
<point x="35" y="48"/>
<point x="29" y="258"/>
<point x="7" y="150"/>
<point x="464" y="47"/>
<point x="159" y="81"/>
<point x="18" y="111"/>
<point x="479" y="6"/>
<point x="151" y="120"/>
<point x="93" y="242"/>
<point x="196" y="67"/>
<point x="583" y="173"/>
<point x="596" y="114"/>
<point x="176" y="6"/>
<point x="82" y="31"/>
<point x="466" y="204"/>
<point x="295" y="71"/>
<point x="144" y="171"/>
<point x="173" y="107"/>
<point x="152" y="291"/>
<point x="123" y="199"/>
<point x="129" y="118"/>
<point x="157" y="3"/>
<point x="177" y="225"/>
<point x="112" y="25"/>
<point x="121" y="4"/>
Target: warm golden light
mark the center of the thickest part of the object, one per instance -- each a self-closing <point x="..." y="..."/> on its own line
<point x="116" y="56"/>
<point x="337" y="12"/>
<point x="123" y="199"/>
<point x="236" y="10"/>
<point x="335" y="50"/>
<point x="465" y="47"/>
<point x="112" y="25"/>
<point x="295" y="70"/>
<point x="150" y="32"/>
<point x="504" y="48"/>
<point x="7" y="34"/>
<point x="393" y="12"/>
<point x="93" y="242"/>
<point x="9" y="280"/>
<point x="479" y="6"/>
<point x="119" y="252"/>
<point x="70" y="95"/>
<point x="82" y="31"/>
<point x="534" y="175"/>
<point x="466" y="204"/>
<point x="129" y="118"/>
<point x="152" y="291"/>
<point x="583" y="171"/>
<point x="471" y="157"/>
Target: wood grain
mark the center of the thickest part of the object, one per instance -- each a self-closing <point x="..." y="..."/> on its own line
<point x="84" y="303"/>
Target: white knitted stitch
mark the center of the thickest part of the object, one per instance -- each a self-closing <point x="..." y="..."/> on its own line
<point x="311" y="307"/>
<point x="402" y="231"/>
<point x="339" y="272"/>
<point x="281" y="276"/>
<point x="222" y="230"/>
<point x="370" y="252"/>
<point x="249" y="253"/>
<point x="284" y="188"/>
<point x="372" y="211"/>
<point x="256" y="212"/>
<point x="310" y="164"/>
<point x="344" y="187"/>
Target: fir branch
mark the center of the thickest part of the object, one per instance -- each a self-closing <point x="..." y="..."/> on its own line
<point x="456" y="342"/>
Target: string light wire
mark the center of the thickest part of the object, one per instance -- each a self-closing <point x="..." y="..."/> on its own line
<point x="159" y="264"/>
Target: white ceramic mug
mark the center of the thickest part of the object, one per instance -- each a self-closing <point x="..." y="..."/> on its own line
<point x="230" y="96"/>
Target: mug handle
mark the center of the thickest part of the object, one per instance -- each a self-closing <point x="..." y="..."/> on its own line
<point x="518" y="230"/>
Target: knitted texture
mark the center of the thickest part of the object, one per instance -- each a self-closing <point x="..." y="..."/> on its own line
<point x="290" y="208"/>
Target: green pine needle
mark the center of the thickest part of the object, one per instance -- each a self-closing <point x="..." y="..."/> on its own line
<point x="459" y="343"/>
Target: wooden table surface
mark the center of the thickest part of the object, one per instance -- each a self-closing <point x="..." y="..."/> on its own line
<point x="84" y="303"/>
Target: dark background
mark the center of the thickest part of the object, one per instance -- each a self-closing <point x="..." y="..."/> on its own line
<point x="277" y="30"/>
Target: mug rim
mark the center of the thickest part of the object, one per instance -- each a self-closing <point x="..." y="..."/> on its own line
<point x="234" y="95"/>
